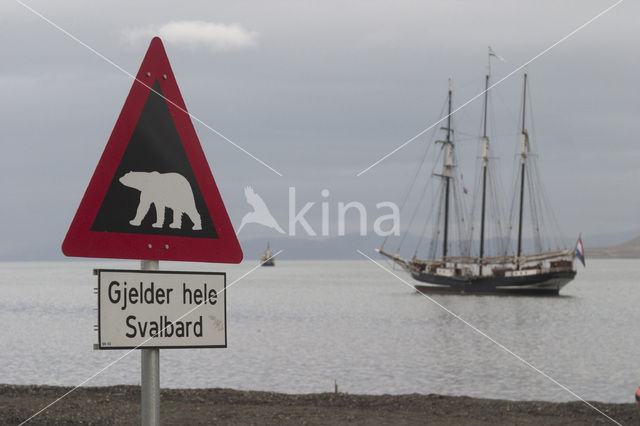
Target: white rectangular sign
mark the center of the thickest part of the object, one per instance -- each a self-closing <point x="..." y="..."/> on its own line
<point x="161" y="309"/>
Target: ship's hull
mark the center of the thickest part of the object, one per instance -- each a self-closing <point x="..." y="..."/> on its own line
<point x="543" y="283"/>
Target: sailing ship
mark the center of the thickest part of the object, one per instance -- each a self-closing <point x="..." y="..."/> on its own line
<point x="267" y="258"/>
<point x="472" y="270"/>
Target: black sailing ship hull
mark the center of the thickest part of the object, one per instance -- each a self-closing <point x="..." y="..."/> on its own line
<point x="544" y="283"/>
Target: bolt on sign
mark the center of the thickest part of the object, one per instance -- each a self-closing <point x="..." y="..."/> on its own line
<point x="161" y="309"/>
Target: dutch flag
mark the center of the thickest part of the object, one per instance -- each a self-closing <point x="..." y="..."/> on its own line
<point x="580" y="250"/>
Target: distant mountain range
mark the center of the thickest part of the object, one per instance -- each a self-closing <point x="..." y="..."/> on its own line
<point x="626" y="250"/>
<point x="600" y="246"/>
<point x="325" y="248"/>
<point x="331" y="248"/>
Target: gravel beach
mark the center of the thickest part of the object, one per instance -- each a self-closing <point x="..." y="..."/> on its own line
<point x="121" y="405"/>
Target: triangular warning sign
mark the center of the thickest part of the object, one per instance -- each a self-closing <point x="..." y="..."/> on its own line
<point x="152" y="195"/>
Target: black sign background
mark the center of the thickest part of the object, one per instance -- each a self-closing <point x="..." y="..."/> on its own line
<point x="154" y="146"/>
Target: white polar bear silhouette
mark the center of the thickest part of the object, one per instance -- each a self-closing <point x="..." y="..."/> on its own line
<point x="162" y="190"/>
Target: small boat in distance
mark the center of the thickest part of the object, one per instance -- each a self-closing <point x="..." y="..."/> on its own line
<point x="267" y="258"/>
<point x="454" y="263"/>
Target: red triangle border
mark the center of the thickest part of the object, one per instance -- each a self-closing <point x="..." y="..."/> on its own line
<point x="80" y="241"/>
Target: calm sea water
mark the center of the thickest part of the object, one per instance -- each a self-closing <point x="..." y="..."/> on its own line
<point x="302" y="325"/>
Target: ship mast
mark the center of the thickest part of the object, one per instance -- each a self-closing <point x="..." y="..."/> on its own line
<point x="447" y="176"/>
<point x="485" y="161"/>
<point x="523" y="160"/>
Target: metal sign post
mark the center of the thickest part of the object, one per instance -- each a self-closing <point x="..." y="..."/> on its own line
<point x="150" y="372"/>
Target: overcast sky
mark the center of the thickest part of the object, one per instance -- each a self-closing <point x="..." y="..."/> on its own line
<point x="319" y="91"/>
